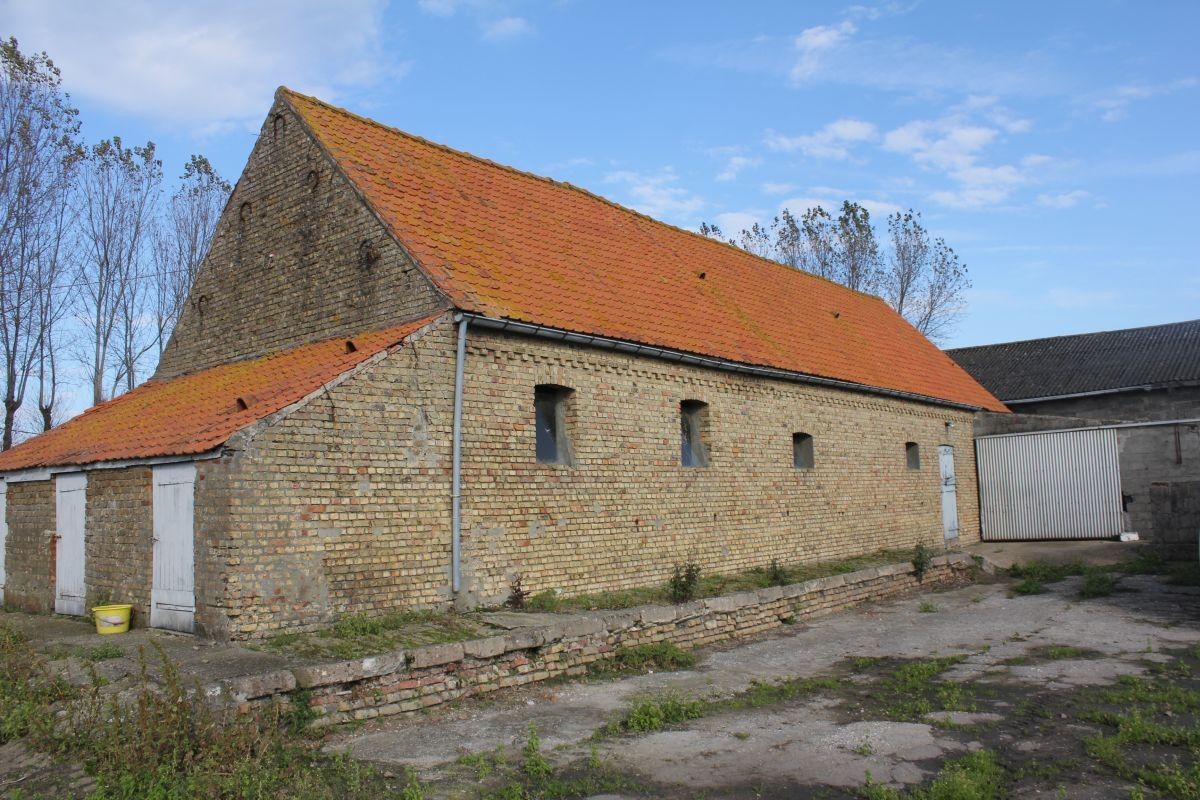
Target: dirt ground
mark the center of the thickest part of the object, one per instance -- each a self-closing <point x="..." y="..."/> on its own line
<point x="1071" y="697"/>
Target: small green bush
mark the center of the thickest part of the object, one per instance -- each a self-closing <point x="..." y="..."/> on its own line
<point x="651" y="714"/>
<point x="684" y="581"/>
<point x="922" y="558"/>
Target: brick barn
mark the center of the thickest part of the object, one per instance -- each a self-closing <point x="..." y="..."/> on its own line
<point x="406" y="374"/>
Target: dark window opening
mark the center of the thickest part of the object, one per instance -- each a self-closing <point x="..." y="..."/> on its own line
<point x="693" y="424"/>
<point x="551" y="407"/>
<point x="802" y="451"/>
<point x="912" y="454"/>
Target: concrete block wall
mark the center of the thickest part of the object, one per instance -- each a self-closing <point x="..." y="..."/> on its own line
<point x="297" y="257"/>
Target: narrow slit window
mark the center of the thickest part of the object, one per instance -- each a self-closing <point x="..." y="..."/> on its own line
<point x="551" y="409"/>
<point x="802" y="451"/>
<point x="693" y="424"/>
<point x="912" y="455"/>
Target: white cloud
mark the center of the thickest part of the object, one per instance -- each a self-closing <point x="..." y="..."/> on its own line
<point x="657" y="195"/>
<point x="771" y="187"/>
<point x="832" y="141"/>
<point x="1114" y="105"/>
<point x="505" y="28"/>
<point x="211" y="65"/>
<point x="954" y="146"/>
<point x="735" y="165"/>
<point x="1065" y="200"/>
<point x="813" y="43"/>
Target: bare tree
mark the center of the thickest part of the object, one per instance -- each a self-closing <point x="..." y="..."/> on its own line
<point x="921" y="278"/>
<point x="181" y="240"/>
<point x="925" y="281"/>
<point x="39" y="149"/>
<point x="856" y="251"/>
<point x="118" y="193"/>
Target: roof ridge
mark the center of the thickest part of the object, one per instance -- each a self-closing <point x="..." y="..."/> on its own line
<point x="1073" y="335"/>
<point x="566" y="185"/>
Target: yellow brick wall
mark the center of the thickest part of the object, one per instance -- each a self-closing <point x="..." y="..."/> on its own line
<point x="627" y="511"/>
<point x="343" y="506"/>
<point x="297" y="257"/>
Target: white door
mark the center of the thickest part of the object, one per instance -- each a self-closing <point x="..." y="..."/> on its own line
<point x="70" y="506"/>
<point x="949" y="493"/>
<point x="173" y="586"/>
<point x="3" y="533"/>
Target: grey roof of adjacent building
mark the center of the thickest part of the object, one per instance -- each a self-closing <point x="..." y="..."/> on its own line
<point x="1062" y="366"/>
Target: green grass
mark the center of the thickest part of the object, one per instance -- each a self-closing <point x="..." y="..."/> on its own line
<point x="356" y="636"/>
<point x="655" y="712"/>
<point x="976" y="776"/>
<point x="164" y="741"/>
<point x="928" y="607"/>
<point x="1097" y="583"/>
<point x="1033" y="577"/>
<point x="1149" y="733"/>
<point x="658" y="656"/>
<point x="1148" y="562"/>
<point x="913" y="690"/>
<point x="717" y="585"/>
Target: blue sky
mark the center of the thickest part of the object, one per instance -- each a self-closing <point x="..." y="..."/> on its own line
<point x="1054" y="145"/>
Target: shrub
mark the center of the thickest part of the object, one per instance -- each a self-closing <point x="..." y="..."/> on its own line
<point x="684" y="581"/>
<point x="922" y="558"/>
<point x="777" y="575"/>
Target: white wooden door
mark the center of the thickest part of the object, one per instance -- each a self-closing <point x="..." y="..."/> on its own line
<point x="70" y="506"/>
<point x="949" y="492"/>
<point x="173" y="587"/>
<point x="3" y="533"/>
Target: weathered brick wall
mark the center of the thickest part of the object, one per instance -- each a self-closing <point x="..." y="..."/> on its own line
<point x="341" y="507"/>
<point x="120" y="538"/>
<point x="627" y="511"/>
<point x="297" y="257"/>
<point x="29" y="562"/>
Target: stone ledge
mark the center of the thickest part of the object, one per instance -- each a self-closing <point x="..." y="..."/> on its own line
<point x="343" y="690"/>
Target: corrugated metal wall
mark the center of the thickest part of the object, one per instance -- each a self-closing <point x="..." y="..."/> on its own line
<point x="1053" y="485"/>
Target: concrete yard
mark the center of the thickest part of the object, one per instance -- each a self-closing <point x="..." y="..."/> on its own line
<point x="1023" y="687"/>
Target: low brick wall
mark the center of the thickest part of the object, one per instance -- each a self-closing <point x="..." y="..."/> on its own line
<point x="402" y="682"/>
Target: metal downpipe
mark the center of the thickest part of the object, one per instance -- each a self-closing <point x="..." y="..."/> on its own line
<point x="456" y="474"/>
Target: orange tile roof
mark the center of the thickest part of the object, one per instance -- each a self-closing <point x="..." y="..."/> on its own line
<point x="195" y="413"/>
<point x="507" y="244"/>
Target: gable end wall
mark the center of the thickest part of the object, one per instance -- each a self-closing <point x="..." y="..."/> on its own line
<point x="297" y="257"/>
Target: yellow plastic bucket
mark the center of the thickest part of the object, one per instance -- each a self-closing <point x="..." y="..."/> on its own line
<point x="112" y="618"/>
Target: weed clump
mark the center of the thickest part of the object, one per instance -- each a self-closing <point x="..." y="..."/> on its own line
<point x="921" y="561"/>
<point x="1097" y="583"/>
<point x="684" y="581"/>
<point x="651" y="714"/>
<point x="661" y="656"/>
<point x="1035" y="575"/>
